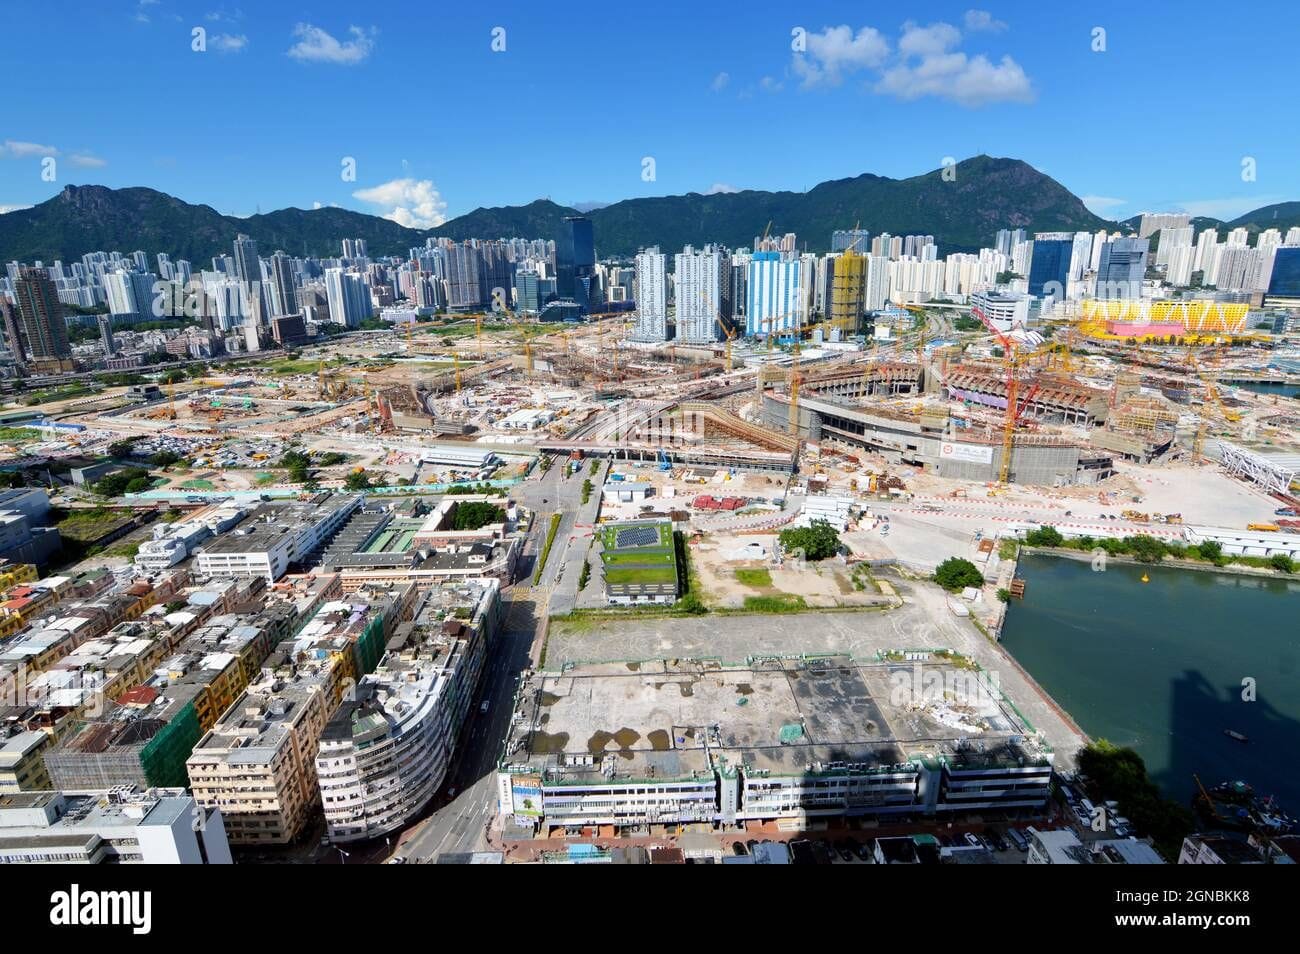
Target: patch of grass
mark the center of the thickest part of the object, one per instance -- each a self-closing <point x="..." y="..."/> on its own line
<point x="546" y="548"/>
<point x="87" y="523"/>
<point x="775" y="604"/>
<point x="641" y="574"/>
<point x="759" y="579"/>
<point x="14" y="435"/>
<point x="638" y="558"/>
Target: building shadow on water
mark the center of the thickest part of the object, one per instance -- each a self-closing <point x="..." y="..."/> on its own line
<point x="1202" y="711"/>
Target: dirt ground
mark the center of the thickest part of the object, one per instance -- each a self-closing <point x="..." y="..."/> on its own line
<point x="717" y="557"/>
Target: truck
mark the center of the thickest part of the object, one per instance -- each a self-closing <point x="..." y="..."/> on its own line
<point x="1263" y="527"/>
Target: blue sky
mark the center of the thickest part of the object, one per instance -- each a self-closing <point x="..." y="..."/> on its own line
<point x="438" y="123"/>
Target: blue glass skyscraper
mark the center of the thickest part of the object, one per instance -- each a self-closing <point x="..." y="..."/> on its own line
<point x="1050" y="266"/>
<point x="575" y="258"/>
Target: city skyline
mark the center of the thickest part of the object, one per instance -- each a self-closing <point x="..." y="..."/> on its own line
<point x="957" y="82"/>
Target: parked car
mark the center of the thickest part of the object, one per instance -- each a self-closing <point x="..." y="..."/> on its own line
<point x="863" y="850"/>
<point x="1017" y="839"/>
<point x="844" y="848"/>
<point x="973" y="840"/>
<point x="997" y="841"/>
<point x="738" y="848"/>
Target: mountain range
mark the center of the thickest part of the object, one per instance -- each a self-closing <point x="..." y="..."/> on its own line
<point x="962" y="210"/>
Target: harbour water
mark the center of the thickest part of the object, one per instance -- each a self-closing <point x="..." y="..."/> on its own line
<point x="1163" y="666"/>
<point x="1286" y="390"/>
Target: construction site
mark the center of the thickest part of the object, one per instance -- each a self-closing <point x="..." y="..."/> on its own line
<point x="1079" y="408"/>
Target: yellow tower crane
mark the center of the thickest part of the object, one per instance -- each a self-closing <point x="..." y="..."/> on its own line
<point x="729" y="335"/>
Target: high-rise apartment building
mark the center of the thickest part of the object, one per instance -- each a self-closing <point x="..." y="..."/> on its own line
<point x="349" y="298"/>
<point x="698" y="280"/>
<point x="286" y="296"/>
<point x="40" y="315"/>
<point x="774" y="300"/>
<point x="651" y="295"/>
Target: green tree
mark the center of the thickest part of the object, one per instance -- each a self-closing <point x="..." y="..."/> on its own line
<point x="122" y="448"/>
<point x="955" y="574"/>
<point x="138" y="485"/>
<point x="1145" y="549"/>
<point x="818" y="540"/>
<point x="1044" y="537"/>
<point x="1280" y="561"/>
<point x="114" y="485"/>
<point x="471" y="515"/>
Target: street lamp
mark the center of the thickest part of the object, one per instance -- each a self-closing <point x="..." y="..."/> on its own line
<point x="343" y="856"/>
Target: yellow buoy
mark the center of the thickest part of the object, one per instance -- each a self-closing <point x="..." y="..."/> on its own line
<point x="1145" y="578"/>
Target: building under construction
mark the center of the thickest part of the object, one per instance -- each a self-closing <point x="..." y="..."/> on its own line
<point x="883" y="379"/>
<point x="931" y="443"/>
<point x="1056" y="400"/>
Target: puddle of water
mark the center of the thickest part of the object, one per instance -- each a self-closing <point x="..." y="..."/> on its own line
<point x="546" y="744"/>
<point x="660" y="740"/>
<point x="549" y="699"/>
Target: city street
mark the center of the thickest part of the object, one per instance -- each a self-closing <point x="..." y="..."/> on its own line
<point x="463" y="810"/>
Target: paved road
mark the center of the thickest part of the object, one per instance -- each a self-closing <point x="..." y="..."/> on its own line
<point x="461" y="813"/>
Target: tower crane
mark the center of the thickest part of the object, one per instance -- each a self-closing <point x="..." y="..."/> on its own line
<point x="729" y="336"/>
<point x="1012" y="412"/>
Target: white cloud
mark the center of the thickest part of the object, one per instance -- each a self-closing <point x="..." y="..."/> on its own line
<point x="968" y="81"/>
<point x="229" y="42"/>
<point x="1228" y="209"/>
<point x="721" y="187"/>
<point x="13" y="149"/>
<point x="720" y="82"/>
<point x="981" y="21"/>
<point x="87" y="161"/>
<point x="770" y="85"/>
<point x="317" y="46"/>
<point x="1101" y="204"/>
<point x="836" y="52"/>
<point x="929" y="40"/>
<point x="414" y="203"/>
<point x="12" y="208"/>
<point x="316" y="205"/>
<point x="927" y="61"/>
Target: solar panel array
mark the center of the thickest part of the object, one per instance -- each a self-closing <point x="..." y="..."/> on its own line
<point x="636" y="537"/>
